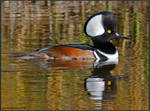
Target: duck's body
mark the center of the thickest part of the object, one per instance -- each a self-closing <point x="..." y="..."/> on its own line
<point x="101" y="28"/>
<point x="73" y="52"/>
<point x="65" y="52"/>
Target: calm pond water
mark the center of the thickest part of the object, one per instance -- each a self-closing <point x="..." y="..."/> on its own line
<point x="72" y="85"/>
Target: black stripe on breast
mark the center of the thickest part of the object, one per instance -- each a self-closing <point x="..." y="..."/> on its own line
<point x="100" y="56"/>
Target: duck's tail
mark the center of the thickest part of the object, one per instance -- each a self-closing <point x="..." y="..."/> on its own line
<point x="34" y="55"/>
<point x="24" y="56"/>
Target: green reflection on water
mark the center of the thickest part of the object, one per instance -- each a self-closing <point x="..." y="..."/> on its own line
<point x="27" y="26"/>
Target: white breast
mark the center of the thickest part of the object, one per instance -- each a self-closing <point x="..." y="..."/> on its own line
<point x="112" y="58"/>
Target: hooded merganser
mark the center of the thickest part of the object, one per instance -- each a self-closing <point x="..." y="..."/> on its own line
<point x="101" y="28"/>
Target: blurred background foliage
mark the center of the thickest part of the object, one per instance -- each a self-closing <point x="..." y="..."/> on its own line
<point x="29" y="25"/>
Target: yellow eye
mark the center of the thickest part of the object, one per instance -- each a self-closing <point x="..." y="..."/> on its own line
<point x="109" y="83"/>
<point x="108" y="31"/>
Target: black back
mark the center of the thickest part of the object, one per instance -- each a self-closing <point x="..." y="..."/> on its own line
<point x="79" y="46"/>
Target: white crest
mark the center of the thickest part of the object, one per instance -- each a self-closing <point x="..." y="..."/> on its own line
<point x="94" y="27"/>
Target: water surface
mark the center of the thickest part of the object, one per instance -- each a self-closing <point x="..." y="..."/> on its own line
<point x="38" y="85"/>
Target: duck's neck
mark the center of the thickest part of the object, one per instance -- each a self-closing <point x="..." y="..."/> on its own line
<point x="104" y="46"/>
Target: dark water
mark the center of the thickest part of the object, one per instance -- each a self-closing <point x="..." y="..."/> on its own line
<point x="42" y="85"/>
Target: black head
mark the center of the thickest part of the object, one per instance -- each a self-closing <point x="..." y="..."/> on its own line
<point x="102" y="27"/>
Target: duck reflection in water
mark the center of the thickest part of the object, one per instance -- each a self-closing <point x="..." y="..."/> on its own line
<point x="101" y="85"/>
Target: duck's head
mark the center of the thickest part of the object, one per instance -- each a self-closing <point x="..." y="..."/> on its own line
<point x="102" y="27"/>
